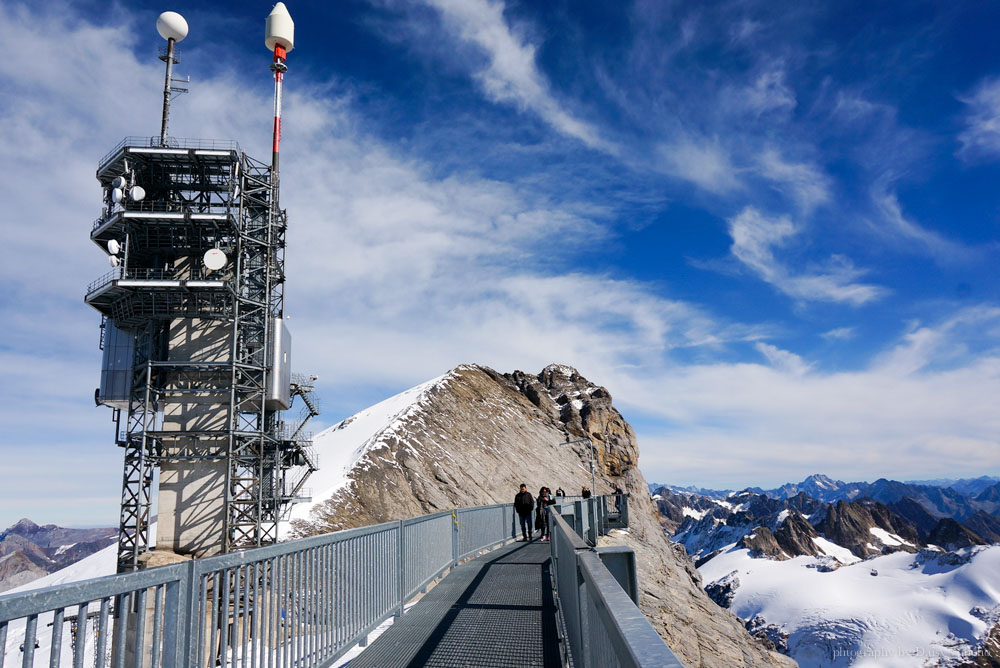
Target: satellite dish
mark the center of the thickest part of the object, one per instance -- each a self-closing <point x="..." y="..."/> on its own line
<point x="214" y="259"/>
<point x="172" y="25"/>
<point x="137" y="193"/>
<point x="114" y="247"/>
<point x="117" y="195"/>
<point x="113" y="260"/>
<point x="119" y="182"/>
<point x="279" y="29"/>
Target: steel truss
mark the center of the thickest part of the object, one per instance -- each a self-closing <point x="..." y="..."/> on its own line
<point x="197" y="199"/>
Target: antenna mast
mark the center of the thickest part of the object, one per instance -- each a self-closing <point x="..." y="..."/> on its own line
<point x="173" y="28"/>
<point x="279" y="36"/>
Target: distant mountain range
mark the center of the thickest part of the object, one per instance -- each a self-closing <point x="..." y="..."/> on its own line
<point x="903" y="552"/>
<point x="958" y="499"/>
<point x="29" y="551"/>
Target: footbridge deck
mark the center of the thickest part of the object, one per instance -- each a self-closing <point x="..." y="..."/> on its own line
<point x="494" y="611"/>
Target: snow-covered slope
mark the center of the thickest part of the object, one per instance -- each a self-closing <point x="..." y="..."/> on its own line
<point x="899" y="609"/>
<point x="341" y="446"/>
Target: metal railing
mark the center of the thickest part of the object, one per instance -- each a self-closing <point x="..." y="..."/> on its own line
<point x="299" y="603"/>
<point x="603" y="626"/>
<point x="172" y="142"/>
<point x="139" y="274"/>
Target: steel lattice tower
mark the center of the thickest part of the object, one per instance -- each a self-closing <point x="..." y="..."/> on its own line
<point x="196" y="350"/>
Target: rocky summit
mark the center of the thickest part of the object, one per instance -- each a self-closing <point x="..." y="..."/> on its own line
<point x="472" y="436"/>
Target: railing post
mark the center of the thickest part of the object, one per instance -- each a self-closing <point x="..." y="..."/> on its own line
<point x="454" y="537"/>
<point x="583" y="603"/>
<point x="624" y="512"/>
<point x="402" y="570"/>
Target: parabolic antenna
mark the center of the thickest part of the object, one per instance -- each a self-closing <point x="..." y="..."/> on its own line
<point x="117" y="195"/>
<point x="279" y="29"/>
<point x="114" y="247"/>
<point x="214" y="259"/>
<point x="172" y="25"/>
<point x="113" y="260"/>
<point x="137" y="193"/>
<point x="119" y="182"/>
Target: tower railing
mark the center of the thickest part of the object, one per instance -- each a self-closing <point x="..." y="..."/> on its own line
<point x="301" y="602"/>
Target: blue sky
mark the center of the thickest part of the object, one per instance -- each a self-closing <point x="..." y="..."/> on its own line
<point x="770" y="231"/>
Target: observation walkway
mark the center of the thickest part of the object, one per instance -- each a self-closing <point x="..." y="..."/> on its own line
<point x="309" y="602"/>
<point x="496" y="611"/>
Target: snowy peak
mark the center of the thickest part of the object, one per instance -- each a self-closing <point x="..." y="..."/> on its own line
<point x="29" y="551"/>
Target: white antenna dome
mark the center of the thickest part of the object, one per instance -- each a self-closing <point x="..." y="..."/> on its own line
<point x="137" y="193"/>
<point x="119" y="182"/>
<point x="113" y="246"/>
<point x="172" y="25"/>
<point x="279" y="29"/>
<point x="214" y="259"/>
<point x="117" y="194"/>
<point x="113" y="260"/>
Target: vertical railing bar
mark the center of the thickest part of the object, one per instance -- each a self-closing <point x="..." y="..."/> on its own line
<point x="80" y="641"/>
<point x="123" y="604"/>
<point x="244" y="638"/>
<point x="285" y="611"/>
<point x="202" y="616"/>
<point x="279" y="621"/>
<point x="55" y="650"/>
<point x="3" y="643"/>
<point x="102" y="631"/>
<point x="327" y="603"/>
<point x="271" y="585"/>
<point x="215" y="645"/>
<point x="158" y="591"/>
<point x="255" y="619"/>
<point x="140" y="628"/>
<point x="234" y="625"/>
<point x="30" y="627"/>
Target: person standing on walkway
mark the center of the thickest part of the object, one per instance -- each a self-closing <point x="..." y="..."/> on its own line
<point x="523" y="503"/>
<point x="560" y="493"/>
<point x="585" y="492"/>
<point x="541" y="515"/>
<point x="618" y="498"/>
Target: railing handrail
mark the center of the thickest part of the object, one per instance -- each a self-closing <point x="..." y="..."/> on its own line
<point x="604" y="627"/>
<point x="172" y="142"/>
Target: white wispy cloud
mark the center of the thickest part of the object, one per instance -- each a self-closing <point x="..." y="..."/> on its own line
<point x="839" y="334"/>
<point x="910" y="236"/>
<point x="512" y="74"/>
<point x="980" y="139"/>
<point x="805" y="183"/>
<point x="755" y="238"/>
<point x="703" y="162"/>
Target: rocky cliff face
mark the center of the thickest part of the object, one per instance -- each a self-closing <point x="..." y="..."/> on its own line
<point x="472" y="437"/>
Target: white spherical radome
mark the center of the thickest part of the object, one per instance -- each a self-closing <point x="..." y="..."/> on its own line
<point x="172" y="25"/>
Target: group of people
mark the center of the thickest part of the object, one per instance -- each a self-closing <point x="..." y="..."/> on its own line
<point x="525" y="503"/>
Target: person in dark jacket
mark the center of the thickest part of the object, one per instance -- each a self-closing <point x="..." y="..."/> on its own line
<point x="585" y="492"/>
<point x="560" y="493"/>
<point x="541" y="516"/>
<point x="618" y="498"/>
<point x="523" y="503"/>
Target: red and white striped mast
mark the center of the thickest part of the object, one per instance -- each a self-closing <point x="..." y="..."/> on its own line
<point x="279" y="36"/>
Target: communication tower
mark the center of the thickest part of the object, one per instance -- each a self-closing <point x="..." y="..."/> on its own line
<point x="197" y="352"/>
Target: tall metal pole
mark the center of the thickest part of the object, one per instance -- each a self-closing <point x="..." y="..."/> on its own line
<point x="166" y="90"/>
<point x="279" y="68"/>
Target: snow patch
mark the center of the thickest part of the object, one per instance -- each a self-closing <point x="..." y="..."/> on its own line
<point x="841" y="554"/>
<point x="887" y="538"/>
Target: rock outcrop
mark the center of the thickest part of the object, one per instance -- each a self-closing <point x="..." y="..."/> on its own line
<point x="850" y="524"/>
<point x="475" y="435"/>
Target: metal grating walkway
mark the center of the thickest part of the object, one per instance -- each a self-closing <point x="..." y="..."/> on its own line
<point x="494" y="611"/>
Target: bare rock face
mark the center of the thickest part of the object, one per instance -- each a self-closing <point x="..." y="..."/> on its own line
<point x="850" y="523"/>
<point x="478" y="434"/>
